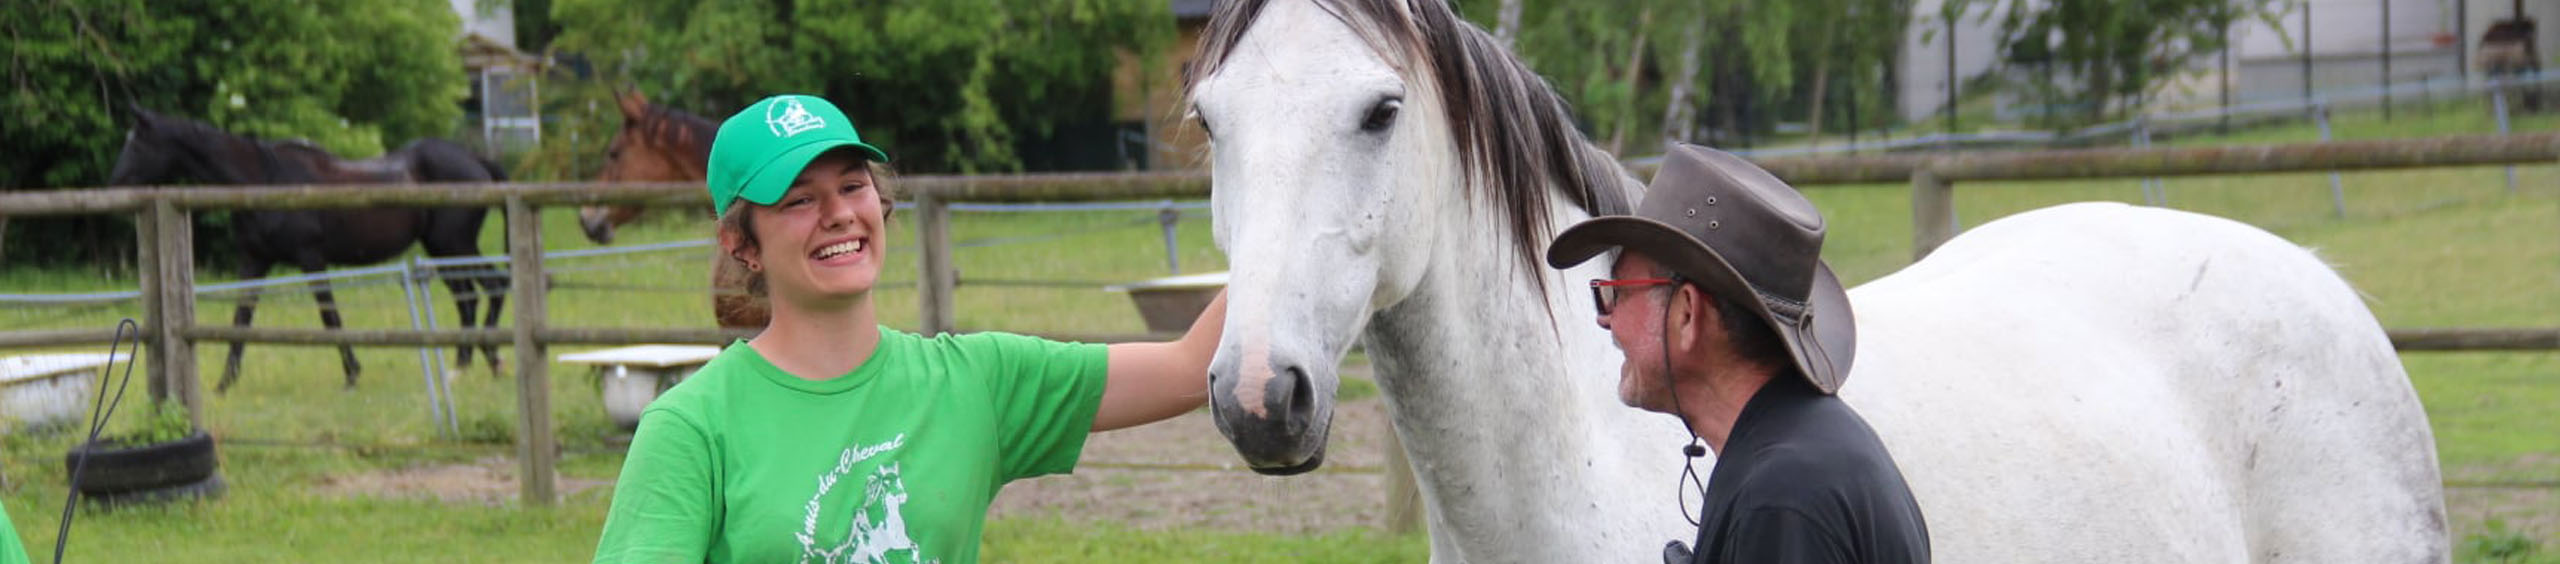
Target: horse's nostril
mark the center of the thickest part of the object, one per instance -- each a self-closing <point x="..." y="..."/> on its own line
<point x="1301" y="396"/>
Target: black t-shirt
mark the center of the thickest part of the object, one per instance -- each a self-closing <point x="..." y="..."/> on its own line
<point x="1805" y="480"/>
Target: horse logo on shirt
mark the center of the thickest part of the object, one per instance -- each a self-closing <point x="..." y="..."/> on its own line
<point x="878" y="530"/>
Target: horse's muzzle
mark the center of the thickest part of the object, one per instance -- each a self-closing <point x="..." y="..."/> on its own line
<point x="1287" y="434"/>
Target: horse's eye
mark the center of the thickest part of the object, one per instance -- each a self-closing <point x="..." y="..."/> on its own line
<point x="1382" y="115"/>
<point x="1195" y="117"/>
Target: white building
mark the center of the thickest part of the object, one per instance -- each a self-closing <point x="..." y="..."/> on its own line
<point x="503" y="79"/>
<point x="2345" y="39"/>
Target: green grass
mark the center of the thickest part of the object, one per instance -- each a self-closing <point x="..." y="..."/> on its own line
<point x="2437" y="247"/>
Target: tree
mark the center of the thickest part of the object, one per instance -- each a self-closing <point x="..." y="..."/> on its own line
<point x="350" y="75"/>
<point x="2110" y="53"/>
<point x="946" y="86"/>
<point x="1733" y="65"/>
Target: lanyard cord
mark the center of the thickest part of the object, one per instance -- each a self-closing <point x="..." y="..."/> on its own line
<point x="1696" y="448"/>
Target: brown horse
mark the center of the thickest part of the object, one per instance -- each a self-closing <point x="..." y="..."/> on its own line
<point x="662" y="144"/>
<point x="656" y="144"/>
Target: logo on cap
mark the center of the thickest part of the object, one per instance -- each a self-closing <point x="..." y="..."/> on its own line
<point x="786" y="117"/>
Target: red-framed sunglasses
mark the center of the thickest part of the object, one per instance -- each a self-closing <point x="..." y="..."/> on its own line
<point x="1605" y="293"/>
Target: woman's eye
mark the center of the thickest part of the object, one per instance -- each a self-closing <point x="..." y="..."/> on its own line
<point x="853" y="187"/>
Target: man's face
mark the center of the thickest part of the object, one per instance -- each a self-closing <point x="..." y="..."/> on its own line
<point x="1635" y="326"/>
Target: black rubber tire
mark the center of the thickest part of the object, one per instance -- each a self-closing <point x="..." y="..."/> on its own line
<point x="113" y="469"/>
<point x="211" y="487"/>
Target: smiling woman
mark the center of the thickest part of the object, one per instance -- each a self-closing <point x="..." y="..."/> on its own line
<point x="757" y="457"/>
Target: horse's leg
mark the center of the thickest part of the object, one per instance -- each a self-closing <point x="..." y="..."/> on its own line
<point x="251" y="268"/>
<point x="466" y="299"/>
<point x="329" y="315"/>
<point x="455" y="232"/>
<point x="495" y="285"/>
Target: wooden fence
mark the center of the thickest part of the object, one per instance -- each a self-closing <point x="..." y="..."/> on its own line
<point x="163" y="220"/>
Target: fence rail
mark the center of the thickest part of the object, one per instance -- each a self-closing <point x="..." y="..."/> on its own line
<point x="163" y="226"/>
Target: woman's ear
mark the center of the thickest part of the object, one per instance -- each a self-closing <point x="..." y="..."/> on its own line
<point x="735" y="245"/>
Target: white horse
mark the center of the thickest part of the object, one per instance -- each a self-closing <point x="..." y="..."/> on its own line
<point x="2092" y="382"/>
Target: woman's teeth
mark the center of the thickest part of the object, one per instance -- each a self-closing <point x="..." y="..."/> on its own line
<point x="830" y="251"/>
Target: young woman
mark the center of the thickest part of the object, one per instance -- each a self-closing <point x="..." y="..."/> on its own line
<point x="828" y="438"/>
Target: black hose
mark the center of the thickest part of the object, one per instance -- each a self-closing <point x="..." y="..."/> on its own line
<point x="98" y="412"/>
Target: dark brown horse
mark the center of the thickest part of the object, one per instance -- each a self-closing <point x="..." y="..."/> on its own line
<point x="164" y="149"/>
<point x="663" y="144"/>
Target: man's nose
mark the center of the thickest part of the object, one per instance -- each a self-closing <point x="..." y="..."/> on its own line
<point x="1603" y="320"/>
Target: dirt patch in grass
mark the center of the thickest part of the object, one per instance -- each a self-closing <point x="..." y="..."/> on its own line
<point x="1181" y="473"/>
<point x="489" y="481"/>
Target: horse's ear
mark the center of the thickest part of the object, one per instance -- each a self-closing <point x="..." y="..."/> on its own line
<point x="634" y="105"/>
<point x="141" y="118"/>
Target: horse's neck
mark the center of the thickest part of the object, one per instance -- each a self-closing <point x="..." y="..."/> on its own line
<point x="219" y="157"/>
<point x="1505" y="395"/>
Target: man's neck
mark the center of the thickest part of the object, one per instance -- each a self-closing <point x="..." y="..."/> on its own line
<point x="819" y="343"/>
<point x="1713" y="401"/>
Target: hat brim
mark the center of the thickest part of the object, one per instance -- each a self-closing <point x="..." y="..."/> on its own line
<point x="1822" y="344"/>
<point x="769" y="183"/>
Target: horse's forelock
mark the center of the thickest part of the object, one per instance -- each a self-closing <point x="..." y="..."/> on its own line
<point x="1514" y="133"/>
<point x="678" y="129"/>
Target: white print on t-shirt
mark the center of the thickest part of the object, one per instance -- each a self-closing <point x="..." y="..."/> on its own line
<point x="879" y="527"/>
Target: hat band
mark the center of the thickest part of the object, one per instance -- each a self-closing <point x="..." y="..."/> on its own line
<point x="1782" y="307"/>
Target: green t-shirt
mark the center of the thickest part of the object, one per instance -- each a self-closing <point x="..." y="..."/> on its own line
<point x="896" y="462"/>
<point x="10" y="551"/>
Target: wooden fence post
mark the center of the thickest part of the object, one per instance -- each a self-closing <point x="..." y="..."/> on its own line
<point x="535" y="445"/>
<point x="1404" y="496"/>
<point x="1933" y="212"/>
<point x="177" y="281"/>
<point x="146" y="268"/>
<point x="935" y="275"/>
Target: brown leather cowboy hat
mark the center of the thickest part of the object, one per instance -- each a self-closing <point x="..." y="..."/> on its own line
<point x="1734" y="230"/>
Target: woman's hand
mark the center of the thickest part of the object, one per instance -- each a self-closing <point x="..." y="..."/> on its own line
<point x="1151" y="382"/>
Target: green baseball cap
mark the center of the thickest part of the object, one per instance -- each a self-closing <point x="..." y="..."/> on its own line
<point x="762" y="149"/>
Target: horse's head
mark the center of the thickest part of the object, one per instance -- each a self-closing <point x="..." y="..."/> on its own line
<point x="1357" y="145"/>
<point x="151" y="152"/>
<point x="655" y="144"/>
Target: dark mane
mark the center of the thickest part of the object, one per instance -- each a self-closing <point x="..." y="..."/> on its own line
<point x="1514" y="133"/>
<point x="670" y="127"/>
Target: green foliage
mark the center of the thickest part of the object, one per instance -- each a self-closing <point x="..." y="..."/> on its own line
<point x="351" y="75"/>
<point x="354" y="76"/>
<point x="2498" y="544"/>
<point x="2094" y="56"/>
<point x="492" y="428"/>
<point x="1732" y="65"/>
<point x="164" y="421"/>
<point x="945" y="86"/>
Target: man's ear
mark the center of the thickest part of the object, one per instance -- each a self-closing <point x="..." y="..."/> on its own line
<point x="1693" y="315"/>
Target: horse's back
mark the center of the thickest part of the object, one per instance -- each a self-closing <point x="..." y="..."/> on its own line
<point x="2145" y="383"/>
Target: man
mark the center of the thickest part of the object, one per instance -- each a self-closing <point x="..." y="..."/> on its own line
<point x="1731" y="322"/>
